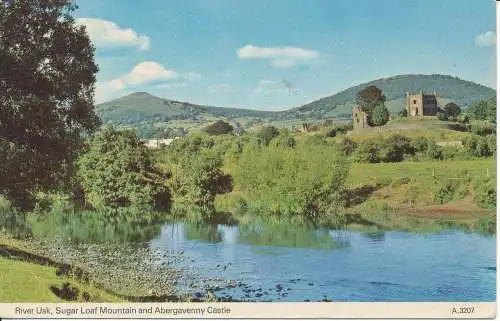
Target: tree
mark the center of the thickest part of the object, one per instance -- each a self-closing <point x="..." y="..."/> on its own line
<point x="266" y="134"/>
<point x="483" y="110"/>
<point x="47" y="77"/>
<point x="380" y="115"/>
<point x="220" y="127"/>
<point x="451" y="111"/>
<point x="368" y="98"/>
<point x="403" y="113"/>
<point x="117" y="171"/>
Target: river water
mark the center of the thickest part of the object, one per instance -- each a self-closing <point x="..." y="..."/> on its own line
<point x="293" y="263"/>
<point x="286" y="264"/>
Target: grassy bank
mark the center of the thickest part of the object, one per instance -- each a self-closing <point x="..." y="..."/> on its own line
<point x="425" y="195"/>
<point x="24" y="281"/>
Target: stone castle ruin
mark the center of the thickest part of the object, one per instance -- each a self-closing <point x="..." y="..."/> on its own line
<point x="421" y="104"/>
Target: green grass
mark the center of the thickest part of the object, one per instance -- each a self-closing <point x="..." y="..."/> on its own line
<point x="27" y="282"/>
<point x="361" y="174"/>
<point x="403" y="195"/>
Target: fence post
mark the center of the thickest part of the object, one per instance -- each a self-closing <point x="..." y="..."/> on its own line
<point x="433" y="172"/>
<point x="487" y="172"/>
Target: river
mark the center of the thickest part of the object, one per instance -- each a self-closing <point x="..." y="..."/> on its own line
<point x="297" y="263"/>
<point x="273" y="264"/>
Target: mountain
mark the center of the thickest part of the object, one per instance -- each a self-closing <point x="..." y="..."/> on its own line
<point x="394" y="88"/>
<point x="142" y="107"/>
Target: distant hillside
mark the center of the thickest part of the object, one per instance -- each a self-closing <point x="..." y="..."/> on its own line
<point x="394" y="88"/>
<point x="142" y="107"/>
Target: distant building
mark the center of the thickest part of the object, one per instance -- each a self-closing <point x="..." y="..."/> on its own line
<point x="158" y="143"/>
<point x="421" y="104"/>
<point x="359" y="119"/>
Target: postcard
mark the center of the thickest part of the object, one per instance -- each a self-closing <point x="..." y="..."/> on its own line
<point x="229" y="159"/>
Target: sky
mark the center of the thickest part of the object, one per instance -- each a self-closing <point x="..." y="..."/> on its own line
<point x="279" y="54"/>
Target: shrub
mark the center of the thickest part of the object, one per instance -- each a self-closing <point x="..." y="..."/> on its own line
<point x="347" y="146"/>
<point x="220" y="127"/>
<point x="196" y="179"/>
<point x="266" y="134"/>
<point x="486" y="193"/>
<point x="481" y="127"/>
<point x="332" y="132"/>
<point x="308" y="181"/>
<point x="420" y="144"/>
<point x="441" y="116"/>
<point x="451" y="110"/>
<point x="434" y="151"/>
<point x="368" y="152"/>
<point x="380" y="115"/>
<point x="117" y="171"/>
<point x="492" y="144"/>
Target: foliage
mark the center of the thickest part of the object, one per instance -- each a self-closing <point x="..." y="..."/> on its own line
<point x="441" y="116"/>
<point x="266" y="134"/>
<point x="218" y="128"/>
<point x="368" y="98"/>
<point x="481" y="127"/>
<point x="347" y="146"/>
<point x="306" y="181"/>
<point x="283" y="140"/>
<point x="196" y="179"/>
<point x="380" y="115"/>
<point x="451" y="111"/>
<point x="46" y="95"/>
<point x="118" y="171"/>
<point x="483" y="110"/>
<point x="479" y="146"/>
<point x="420" y="144"/>
<point x="486" y="193"/>
<point x="434" y="151"/>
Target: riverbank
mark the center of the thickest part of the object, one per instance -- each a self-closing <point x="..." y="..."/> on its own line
<point x="58" y="271"/>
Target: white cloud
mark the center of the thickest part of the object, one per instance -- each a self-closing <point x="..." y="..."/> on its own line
<point x="144" y="73"/>
<point x="106" y="34"/>
<point x="486" y="39"/>
<point x="172" y="85"/>
<point x="281" y="57"/>
<point x="147" y="72"/>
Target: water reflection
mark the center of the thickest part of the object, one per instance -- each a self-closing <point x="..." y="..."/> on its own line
<point x="260" y="235"/>
<point x="82" y="227"/>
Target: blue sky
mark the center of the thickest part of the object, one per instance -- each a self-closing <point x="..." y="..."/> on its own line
<point x="278" y="54"/>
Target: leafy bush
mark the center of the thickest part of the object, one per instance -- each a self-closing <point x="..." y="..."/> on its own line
<point x="266" y="134"/>
<point x="434" y="151"/>
<point x="307" y="181"/>
<point x="451" y="111"/>
<point x="441" y="116"/>
<point x="196" y="179"/>
<point x="368" y="152"/>
<point x="486" y="193"/>
<point x="220" y="127"/>
<point x="492" y="144"/>
<point x="420" y="144"/>
<point x="117" y="171"/>
<point x="380" y="115"/>
<point x="283" y="140"/>
<point x="347" y="146"/>
<point x="332" y="132"/>
<point x="481" y="127"/>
